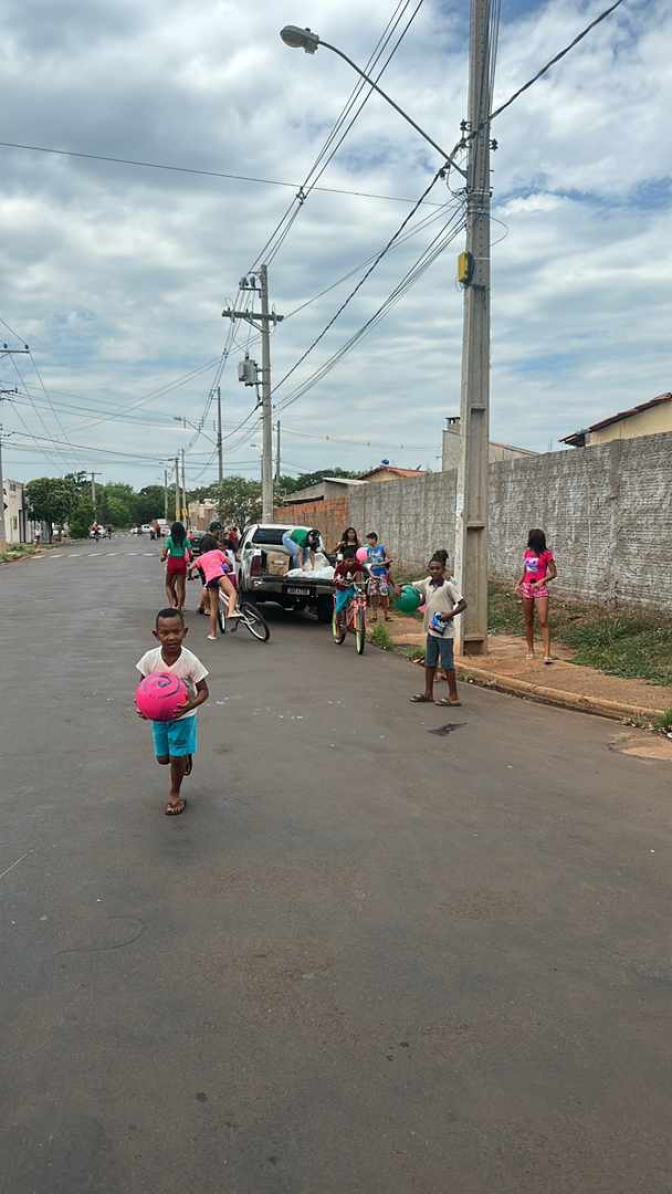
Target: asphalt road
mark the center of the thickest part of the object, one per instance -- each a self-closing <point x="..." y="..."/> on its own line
<point x="369" y="958"/>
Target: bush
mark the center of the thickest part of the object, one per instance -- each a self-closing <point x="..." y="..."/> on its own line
<point x="380" y="637"/>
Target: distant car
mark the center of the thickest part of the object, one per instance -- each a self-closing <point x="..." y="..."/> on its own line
<point x="195" y="540"/>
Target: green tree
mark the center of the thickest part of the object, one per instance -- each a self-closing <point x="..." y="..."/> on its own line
<point x="81" y="517"/>
<point x="287" y="485"/>
<point x="117" y="512"/>
<point x="148" y="504"/>
<point x="116" y="504"/>
<point x="238" y="500"/>
<point x="51" y="500"/>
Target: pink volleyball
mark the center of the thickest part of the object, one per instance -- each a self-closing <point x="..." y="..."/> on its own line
<point x="362" y="554"/>
<point x="160" y="695"/>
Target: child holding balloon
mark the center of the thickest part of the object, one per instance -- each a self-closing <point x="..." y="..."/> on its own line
<point x="175" y="740"/>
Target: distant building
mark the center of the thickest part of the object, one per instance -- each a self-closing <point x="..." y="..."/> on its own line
<point x="326" y="490"/>
<point x="17" y="525"/>
<point x="452" y="439"/>
<point x="388" y="472"/>
<point x="649" y="418"/>
<point x="201" y="514"/>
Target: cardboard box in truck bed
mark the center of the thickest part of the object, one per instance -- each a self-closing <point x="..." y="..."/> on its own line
<point x="277" y="563"/>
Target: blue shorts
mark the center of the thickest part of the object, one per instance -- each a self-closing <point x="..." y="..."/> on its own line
<point x="439" y="648"/>
<point x="175" y="738"/>
<point x="343" y="598"/>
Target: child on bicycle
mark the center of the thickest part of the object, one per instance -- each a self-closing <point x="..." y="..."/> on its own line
<point x="347" y="573"/>
<point x="213" y="564"/>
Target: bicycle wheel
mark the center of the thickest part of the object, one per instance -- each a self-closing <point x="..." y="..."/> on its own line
<point x="255" y="622"/>
<point x="221" y="613"/>
<point x="337" y="630"/>
<point x="360" y="630"/>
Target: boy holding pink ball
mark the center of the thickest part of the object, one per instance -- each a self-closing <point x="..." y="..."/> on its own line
<point x="175" y="739"/>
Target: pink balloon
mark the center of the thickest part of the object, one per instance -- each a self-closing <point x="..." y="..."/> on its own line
<point x="160" y="695"/>
<point x="422" y="609"/>
<point x="362" y="554"/>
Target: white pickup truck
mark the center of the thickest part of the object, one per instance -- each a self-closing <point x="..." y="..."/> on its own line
<point x="262" y="567"/>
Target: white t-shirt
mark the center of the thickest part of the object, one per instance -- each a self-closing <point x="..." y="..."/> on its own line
<point x="186" y="666"/>
<point x="439" y="599"/>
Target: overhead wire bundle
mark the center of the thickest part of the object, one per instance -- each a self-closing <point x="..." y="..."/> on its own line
<point x="451" y="229"/>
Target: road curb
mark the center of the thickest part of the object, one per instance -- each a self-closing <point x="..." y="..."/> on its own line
<point x="617" y="710"/>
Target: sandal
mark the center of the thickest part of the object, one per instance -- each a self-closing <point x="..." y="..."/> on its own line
<point x="446" y="703"/>
<point x="190" y="765"/>
<point x="174" y="810"/>
<point x="420" y="699"/>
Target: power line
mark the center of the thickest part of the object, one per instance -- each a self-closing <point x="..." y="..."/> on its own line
<point x="430" y="254"/>
<point x="158" y="393"/>
<point x="424" y="223"/>
<point x="90" y="448"/>
<point x="336" y="138"/>
<point x="367" y="274"/>
<point x="552" y="62"/>
<point x="470" y="136"/>
<point x="360" y="443"/>
<point x="271" y="182"/>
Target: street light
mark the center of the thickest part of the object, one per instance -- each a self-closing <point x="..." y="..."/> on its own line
<point x="304" y="39"/>
<point x="300" y="39"/>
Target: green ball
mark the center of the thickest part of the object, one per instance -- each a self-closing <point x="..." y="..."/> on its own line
<point x="408" y="600"/>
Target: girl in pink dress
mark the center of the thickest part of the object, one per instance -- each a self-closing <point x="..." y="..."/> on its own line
<point x="538" y="569"/>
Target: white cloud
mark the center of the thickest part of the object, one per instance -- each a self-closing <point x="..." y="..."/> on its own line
<point x="117" y="276"/>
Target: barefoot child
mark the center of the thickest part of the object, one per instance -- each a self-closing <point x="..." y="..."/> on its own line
<point x="175" y="742"/>
<point x="443" y="603"/>
<point x="532" y="587"/>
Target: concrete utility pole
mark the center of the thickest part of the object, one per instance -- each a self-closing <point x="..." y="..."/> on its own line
<point x="278" y="472"/>
<point x="471" y="507"/>
<point x="262" y="321"/>
<point x="3" y="524"/>
<point x="165" y="494"/>
<point x="220" y="449"/>
<point x="93" y="494"/>
<point x="184" y="489"/>
<point x="266" y="406"/>
<point x="4" y="394"/>
<point x="178" y="504"/>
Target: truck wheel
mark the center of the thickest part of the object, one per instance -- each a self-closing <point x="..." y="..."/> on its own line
<point x="325" y="608"/>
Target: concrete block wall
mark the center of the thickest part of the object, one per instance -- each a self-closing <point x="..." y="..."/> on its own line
<point x="412" y="517"/>
<point x="606" y="511"/>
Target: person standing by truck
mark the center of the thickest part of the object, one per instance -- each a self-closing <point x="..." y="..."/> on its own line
<point x="379" y="585"/>
<point x="301" y="545"/>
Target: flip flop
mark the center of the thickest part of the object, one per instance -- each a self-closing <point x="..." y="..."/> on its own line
<point x="445" y="703"/>
<point x="190" y="765"/>
<point x="173" y="810"/>
<point x="420" y="699"/>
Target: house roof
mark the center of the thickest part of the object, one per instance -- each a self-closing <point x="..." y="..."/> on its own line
<point x="390" y="468"/>
<point x="577" y="438"/>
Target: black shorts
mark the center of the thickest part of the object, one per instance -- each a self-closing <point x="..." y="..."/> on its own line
<point x="213" y="584"/>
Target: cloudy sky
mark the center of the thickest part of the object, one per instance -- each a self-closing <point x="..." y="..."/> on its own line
<point x="116" y="275"/>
